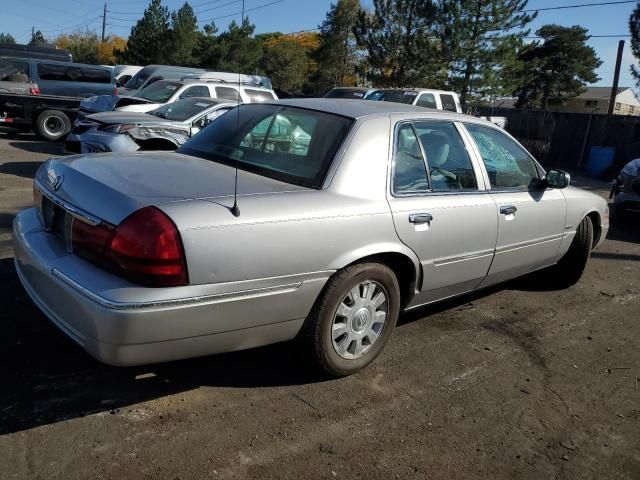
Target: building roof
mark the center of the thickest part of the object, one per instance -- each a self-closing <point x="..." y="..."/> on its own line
<point x="603" y="93"/>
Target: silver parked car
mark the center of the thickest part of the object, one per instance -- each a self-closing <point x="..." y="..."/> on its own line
<point x="347" y="214"/>
<point x="165" y="128"/>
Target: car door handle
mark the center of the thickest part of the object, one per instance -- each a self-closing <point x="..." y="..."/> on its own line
<point x="508" y="209"/>
<point x="419" y="218"/>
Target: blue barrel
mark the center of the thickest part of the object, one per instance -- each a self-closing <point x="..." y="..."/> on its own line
<point x="600" y="159"/>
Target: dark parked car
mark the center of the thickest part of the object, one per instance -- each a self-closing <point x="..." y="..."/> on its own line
<point x="44" y="52"/>
<point x="65" y="78"/>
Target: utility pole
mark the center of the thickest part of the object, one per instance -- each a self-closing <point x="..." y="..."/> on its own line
<point x="104" y="21"/>
<point x="33" y="33"/>
<point x="616" y="78"/>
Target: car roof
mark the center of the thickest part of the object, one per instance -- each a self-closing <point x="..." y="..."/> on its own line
<point x="411" y="89"/>
<point x="367" y="108"/>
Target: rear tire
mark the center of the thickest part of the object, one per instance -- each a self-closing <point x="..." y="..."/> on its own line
<point x="52" y="125"/>
<point x="352" y="320"/>
<point x="570" y="267"/>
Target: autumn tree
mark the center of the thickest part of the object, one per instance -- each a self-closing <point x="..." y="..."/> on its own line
<point x="83" y="46"/>
<point x="556" y="68"/>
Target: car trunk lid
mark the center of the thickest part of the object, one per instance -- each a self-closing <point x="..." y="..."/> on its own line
<point x="110" y="187"/>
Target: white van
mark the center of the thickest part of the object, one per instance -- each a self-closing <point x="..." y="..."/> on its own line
<point x="421" y="97"/>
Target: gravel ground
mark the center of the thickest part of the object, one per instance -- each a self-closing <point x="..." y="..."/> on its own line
<point x="516" y="382"/>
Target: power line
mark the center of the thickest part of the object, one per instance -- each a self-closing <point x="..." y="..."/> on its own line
<point x="240" y="13"/>
<point x="580" y="5"/>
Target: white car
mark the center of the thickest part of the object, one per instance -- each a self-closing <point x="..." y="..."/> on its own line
<point x="420" y="97"/>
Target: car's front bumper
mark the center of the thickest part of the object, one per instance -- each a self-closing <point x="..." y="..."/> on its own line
<point x="120" y="323"/>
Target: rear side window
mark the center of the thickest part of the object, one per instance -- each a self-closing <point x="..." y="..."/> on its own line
<point x="410" y="172"/>
<point x="427" y="100"/>
<point x="196" y="91"/>
<point x="449" y="165"/>
<point x="258" y="95"/>
<point x="64" y="73"/>
<point x="14" y="71"/>
<point x="448" y="102"/>
<point x="228" y="93"/>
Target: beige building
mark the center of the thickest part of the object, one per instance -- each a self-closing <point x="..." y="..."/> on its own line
<point x="596" y="100"/>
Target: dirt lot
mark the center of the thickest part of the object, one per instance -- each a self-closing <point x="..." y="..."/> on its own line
<point x="517" y="382"/>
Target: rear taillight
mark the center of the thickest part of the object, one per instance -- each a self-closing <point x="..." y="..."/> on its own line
<point x="144" y="248"/>
<point x="115" y="91"/>
<point x="34" y="91"/>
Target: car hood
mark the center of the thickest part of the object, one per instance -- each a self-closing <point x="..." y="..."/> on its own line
<point x="125" y="117"/>
<point x="106" y="103"/>
<point x="112" y="186"/>
<point x="137" y="107"/>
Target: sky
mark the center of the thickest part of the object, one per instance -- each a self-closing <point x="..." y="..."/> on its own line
<point x="63" y="16"/>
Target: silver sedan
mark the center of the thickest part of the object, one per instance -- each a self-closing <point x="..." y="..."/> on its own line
<point x="346" y="214"/>
<point x="165" y="128"/>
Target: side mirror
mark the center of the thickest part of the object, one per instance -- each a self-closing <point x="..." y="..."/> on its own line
<point x="557" y="178"/>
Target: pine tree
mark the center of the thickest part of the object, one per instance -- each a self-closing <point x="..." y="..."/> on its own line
<point x="184" y="36"/>
<point x="239" y="50"/>
<point x="557" y="68"/>
<point x="397" y="37"/>
<point x="7" y="39"/>
<point x="336" y="54"/>
<point x="37" y="38"/>
<point x="477" y="36"/>
<point x="634" y="29"/>
<point x="149" y="39"/>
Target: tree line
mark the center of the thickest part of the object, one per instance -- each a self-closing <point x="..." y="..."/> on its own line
<point x="480" y="49"/>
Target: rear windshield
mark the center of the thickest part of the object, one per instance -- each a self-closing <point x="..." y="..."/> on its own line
<point x="159" y="92"/>
<point x="258" y="95"/>
<point x="182" y="109"/>
<point x="289" y="144"/>
<point x="14" y="71"/>
<point x="68" y="73"/>
<point x="345" y="93"/>
<point x="396" y="96"/>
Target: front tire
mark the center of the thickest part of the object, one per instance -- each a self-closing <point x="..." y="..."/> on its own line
<point x="570" y="267"/>
<point x="352" y="319"/>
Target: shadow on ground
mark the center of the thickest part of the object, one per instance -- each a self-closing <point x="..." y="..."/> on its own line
<point x="46" y="378"/>
<point x="39" y="146"/>
<point x="20" y="169"/>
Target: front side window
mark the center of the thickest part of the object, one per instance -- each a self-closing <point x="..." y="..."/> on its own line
<point x="196" y="91"/>
<point x="290" y="144"/>
<point x="508" y="164"/>
<point x="450" y="167"/>
<point x="427" y="100"/>
<point x="410" y="174"/>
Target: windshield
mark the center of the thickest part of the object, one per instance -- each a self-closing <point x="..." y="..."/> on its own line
<point x="183" y="109"/>
<point x="137" y="80"/>
<point x="346" y="93"/>
<point x="159" y="92"/>
<point x="286" y="143"/>
<point x="396" y="96"/>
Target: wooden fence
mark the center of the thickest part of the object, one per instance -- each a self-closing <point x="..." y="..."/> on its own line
<point x="564" y="140"/>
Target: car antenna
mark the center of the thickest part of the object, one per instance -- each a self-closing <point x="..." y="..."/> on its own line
<point x="235" y="210"/>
